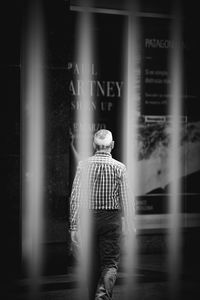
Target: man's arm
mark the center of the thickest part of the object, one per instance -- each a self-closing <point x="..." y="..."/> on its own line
<point x="76" y="155"/>
<point x="128" y="204"/>
<point x="75" y="200"/>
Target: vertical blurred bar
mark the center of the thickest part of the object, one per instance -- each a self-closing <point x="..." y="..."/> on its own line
<point x="175" y="111"/>
<point x="32" y="144"/>
<point x="85" y="59"/>
<point x="130" y="124"/>
<point x="84" y="118"/>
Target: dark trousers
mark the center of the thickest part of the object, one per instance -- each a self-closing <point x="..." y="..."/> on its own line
<point x="105" y="253"/>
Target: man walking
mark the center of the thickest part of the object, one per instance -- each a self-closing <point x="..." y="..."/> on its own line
<point x="107" y="202"/>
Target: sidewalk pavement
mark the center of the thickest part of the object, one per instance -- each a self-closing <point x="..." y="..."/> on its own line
<point x="150" y="282"/>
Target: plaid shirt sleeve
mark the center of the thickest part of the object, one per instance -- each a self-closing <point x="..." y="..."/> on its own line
<point x="124" y="191"/>
<point x="75" y="199"/>
<point x="128" y="204"/>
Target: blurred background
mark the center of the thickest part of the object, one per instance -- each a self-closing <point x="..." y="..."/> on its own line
<point x="62" y="73"/>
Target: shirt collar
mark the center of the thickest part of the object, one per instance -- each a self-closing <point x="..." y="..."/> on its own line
<point x="103" y="153"/>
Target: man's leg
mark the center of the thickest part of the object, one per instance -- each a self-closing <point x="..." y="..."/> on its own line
<point x="106" y="284"/>
<point x="94" y="263"/>
<point x="109" y="245"/>
<point x="94" y="275"/>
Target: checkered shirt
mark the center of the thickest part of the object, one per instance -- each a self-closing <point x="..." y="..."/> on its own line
<point x="105" y="179"/>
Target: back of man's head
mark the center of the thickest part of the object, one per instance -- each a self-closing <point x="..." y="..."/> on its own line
<point x="103" y="139"/>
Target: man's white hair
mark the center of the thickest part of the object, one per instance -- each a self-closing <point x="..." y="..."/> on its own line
<point x="103" y="138"/>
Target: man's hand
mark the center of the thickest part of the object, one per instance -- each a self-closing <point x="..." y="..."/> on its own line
<point x="128" y="229"/>
<point x="75" y="244"/>
<point x="74" y="237"/>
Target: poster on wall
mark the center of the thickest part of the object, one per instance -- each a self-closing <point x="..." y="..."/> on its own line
<point x="154" y="132"/>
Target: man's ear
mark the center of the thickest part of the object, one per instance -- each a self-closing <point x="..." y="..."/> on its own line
<point x="94" y="146"/>
<point x="112" y="145"/>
